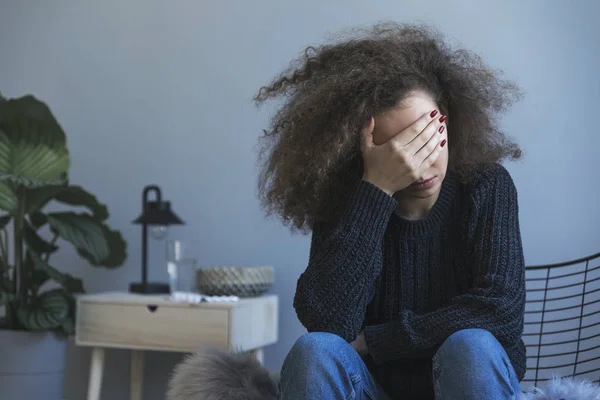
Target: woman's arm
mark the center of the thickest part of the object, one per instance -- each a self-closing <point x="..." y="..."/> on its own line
<point x="344" y="262"/>
<point x="496" y="300"/>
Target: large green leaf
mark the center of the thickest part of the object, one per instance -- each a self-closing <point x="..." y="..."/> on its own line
<point x="68" y="325"/>
<point x="46" y="312"/>
<point x="93" y="239"/>
<point x="37" y="219"/>
<point x="75" y="195"/>
<point x="33" y="148"/>
<point x="8" y="200"/>
<point x="37" y="279"/>
<point x="83" y="232"/>
<point x="117" y="246"/>
<point x="36" y="243"/>
<point x="37" y="198"/>
<point x="69" y="283"/>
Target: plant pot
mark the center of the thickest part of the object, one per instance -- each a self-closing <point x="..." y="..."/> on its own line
<point x="32" y="365"/>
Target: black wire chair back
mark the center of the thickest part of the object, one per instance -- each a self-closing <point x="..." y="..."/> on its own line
<point x="562" y="320"/>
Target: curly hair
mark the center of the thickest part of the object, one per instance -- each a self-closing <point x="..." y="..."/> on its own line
<point x="311" y="155"/>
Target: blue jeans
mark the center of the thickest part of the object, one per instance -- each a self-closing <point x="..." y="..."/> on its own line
<point x="469" y="365"/>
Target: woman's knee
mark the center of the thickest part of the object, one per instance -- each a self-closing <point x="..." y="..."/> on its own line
<point x="472" y="364"/>
<point x="314" y="352"/>
<point x="317" y="345"/>
<point x="468" y="344"/>
<point x="324" y="366"/>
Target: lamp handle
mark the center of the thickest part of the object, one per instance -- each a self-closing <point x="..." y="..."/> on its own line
<point x="147" y="190"/>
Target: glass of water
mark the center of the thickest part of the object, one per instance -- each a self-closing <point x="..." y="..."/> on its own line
<point x="182" y="275"/>
<point x="182" y="271"/>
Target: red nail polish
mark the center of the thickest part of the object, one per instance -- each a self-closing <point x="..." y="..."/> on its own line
<point x="433" y="113"/>
<point x="443" y="143"/>
<point x="443" y="118"/>
<point x="441" y="129"/>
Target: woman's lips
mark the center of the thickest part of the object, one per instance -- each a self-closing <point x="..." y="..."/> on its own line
<point x="425" y="184"/>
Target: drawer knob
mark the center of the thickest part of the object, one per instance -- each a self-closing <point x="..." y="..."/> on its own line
<point x="152" y="307"/>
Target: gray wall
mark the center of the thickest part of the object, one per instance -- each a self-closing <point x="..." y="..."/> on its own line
<point x="160" y="92"/>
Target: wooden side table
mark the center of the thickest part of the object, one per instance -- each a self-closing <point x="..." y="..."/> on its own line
<point x="152" y="322"/>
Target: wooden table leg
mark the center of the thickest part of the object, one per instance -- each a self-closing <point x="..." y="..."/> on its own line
<point x="137" y="375"/>
<point x="258" y="353"/>
<point x="96" y="369"/>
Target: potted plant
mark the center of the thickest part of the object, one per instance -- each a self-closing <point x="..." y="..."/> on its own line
<point x="38" y="299"/>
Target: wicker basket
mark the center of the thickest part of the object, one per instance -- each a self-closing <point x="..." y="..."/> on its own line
<point x="235" y="281"/>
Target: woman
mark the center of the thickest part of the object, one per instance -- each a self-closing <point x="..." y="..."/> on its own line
<point x="388" y="148"/>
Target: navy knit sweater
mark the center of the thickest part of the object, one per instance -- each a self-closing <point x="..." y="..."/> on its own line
<point x="410" y="284"/>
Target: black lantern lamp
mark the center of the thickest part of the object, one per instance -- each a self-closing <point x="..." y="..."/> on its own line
<point x="158" y="215"/>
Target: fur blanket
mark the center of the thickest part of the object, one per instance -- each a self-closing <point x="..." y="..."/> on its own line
<point x="564" y="389"/>
<point x="213" y="374"/>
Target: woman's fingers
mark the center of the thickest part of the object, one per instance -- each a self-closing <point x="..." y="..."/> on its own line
<point x="428" y="133"/>
<point x="412" y="134"/>
<point x="435" y="134"/>
<point x="433" y="156"/>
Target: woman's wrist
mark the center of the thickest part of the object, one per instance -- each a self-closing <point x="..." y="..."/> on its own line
<point x="379" y="185"/>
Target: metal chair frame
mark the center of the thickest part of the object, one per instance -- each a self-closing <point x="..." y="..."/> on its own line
<point x="547" y="287"/>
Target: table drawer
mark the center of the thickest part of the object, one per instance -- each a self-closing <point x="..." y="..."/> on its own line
<point x="151" y="327"/>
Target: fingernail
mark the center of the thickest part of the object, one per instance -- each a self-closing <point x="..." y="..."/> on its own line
<point x="441" y="129"/>
<point x="433" y="113"/>
<point x="443" y="143"/>
<point x="443" y="118"/>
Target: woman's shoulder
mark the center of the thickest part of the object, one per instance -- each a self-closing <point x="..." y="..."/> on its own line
<point x="490" y="179"/>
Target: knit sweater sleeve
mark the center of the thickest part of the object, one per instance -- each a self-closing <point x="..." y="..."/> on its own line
<point x="345" y="260"/>
<point x="496" y="299"/>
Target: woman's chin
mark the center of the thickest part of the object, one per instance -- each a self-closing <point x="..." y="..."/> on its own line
<point x="426" y="193"/>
